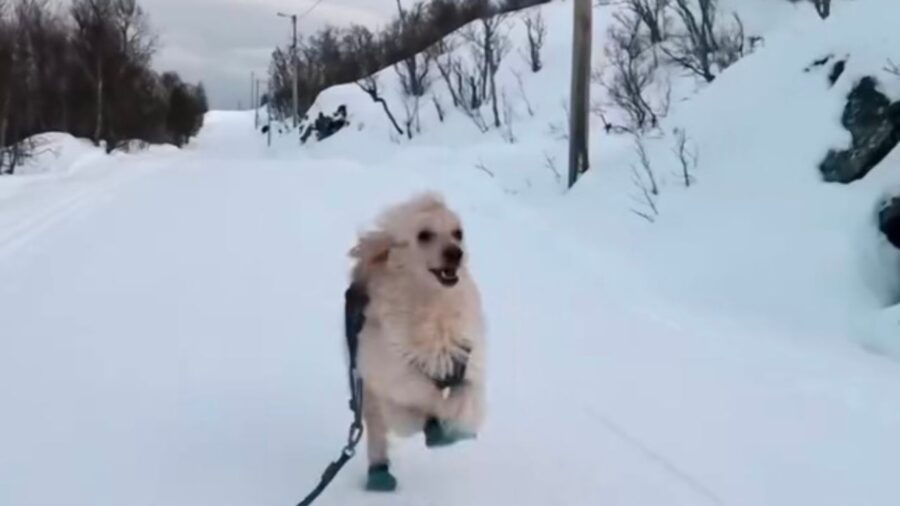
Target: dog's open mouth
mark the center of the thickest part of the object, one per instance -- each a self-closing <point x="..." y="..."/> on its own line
<point x="446" y="276"/>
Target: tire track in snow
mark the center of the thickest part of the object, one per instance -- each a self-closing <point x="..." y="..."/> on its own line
<point x="51" y="210"/>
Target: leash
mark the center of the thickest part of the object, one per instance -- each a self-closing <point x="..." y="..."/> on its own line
<point x="355" y="301"/>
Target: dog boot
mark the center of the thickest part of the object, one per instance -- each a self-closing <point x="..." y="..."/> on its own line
<point x="380" y="479"/>
<point x="439" y="434"/>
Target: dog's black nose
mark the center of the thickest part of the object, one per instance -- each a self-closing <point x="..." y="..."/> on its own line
<point x="453" y="255"/>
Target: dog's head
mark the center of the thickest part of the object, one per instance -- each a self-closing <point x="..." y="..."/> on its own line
<point x="421" y="238"/>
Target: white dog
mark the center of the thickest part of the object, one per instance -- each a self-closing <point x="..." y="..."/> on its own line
<point x="421" y="350"/>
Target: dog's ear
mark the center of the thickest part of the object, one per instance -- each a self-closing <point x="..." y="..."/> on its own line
<point x="372" y="248"/>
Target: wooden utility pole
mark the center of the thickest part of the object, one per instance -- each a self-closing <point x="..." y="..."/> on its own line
<point x="269" y="114"/>
<point x="296" y="71"/>
<point x="255" y="102"/>
<point x="579" y="110"/>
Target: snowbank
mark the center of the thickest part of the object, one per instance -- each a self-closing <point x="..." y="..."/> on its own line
<point x="759" y="237"/>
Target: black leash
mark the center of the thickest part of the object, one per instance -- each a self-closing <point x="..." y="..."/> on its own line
<point x="355" y="301"/>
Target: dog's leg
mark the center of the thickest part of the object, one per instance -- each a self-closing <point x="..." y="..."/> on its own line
<point x="380" y="478"/>
<point x="457" y="417"/>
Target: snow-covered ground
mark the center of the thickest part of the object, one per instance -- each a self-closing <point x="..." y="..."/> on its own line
<point x="170" y="321"/>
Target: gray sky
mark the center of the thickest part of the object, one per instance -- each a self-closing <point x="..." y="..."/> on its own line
<point x="221" y="41"/>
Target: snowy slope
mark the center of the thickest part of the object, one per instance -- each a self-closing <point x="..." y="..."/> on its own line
<point x="759" y="238"/>
<point x="178" y="343"/>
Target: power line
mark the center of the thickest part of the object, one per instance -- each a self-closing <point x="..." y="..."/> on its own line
<point x="307" y="11"/>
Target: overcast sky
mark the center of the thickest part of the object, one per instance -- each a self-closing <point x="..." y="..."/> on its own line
<point x="221" y="41"/>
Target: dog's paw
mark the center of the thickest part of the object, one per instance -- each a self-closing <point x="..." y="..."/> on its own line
<point x="439" y="434"/>
<point x="380" y="479"/>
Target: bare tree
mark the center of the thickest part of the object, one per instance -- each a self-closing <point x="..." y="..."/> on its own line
<point x="461" y="82"/>
<point x="111" y="38"/>
<point x="442" y="55"/>
<point x="413" y="70"/>
<point x="8" y="75"/>
<point x="632" y="76"/>
<point x="704" y="47"/>
<point x="370" y="86"/>
<point x="652" y="13"/>
<point x="489" y="43"/>
<point x="89" y="75"/>
<point x="536" y="30"/>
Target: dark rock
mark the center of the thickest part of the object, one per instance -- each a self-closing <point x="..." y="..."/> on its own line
<point x="889" y="221"/>
<point x="837" y="71"/>
<point x="819" y="63"/>
<point x="325" y="126"/>
<point x="874" y="123"/>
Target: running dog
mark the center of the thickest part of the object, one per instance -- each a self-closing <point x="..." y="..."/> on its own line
<point x="421" y="349"/>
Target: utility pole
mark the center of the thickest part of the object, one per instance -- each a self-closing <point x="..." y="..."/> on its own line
<point x="269" y="114"/>
<point x="294" y="71"/>
<point x="579" y="109"/>
<point x="255" y="101"/>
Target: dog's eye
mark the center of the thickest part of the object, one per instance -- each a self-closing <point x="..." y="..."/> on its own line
<point x="458" y="235"/>
<point x="426" y="236"/>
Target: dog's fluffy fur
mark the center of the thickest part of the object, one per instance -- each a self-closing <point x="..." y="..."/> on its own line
<point x="416" y="324"/>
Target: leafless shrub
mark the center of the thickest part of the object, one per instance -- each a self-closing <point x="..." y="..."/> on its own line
<point x="652" y="13"/>
<point x="704" y="47"/>
<point x="892" y="68"/>
<point x="413" y="70"/>
<point x="483" y="168"/>
<point x="370" y="86"/>
<point x="508" y="119"/>
<point x="550" y="163"/>
<point x="521" y="85"/>
<point x="641" y="151"/>
<point x="477" y="119"/>
<point x="645" y="181"/>
<point x="442" y="55"/>
<point x="687" y="158"/>
<point x="489" y="43"/>
<point x="461" y="82"/>
<point x="14" y="155"/>
<point x="632" y="78"/>
<point x="411" y="118"/>
<point x="560" y="130"/>
<point x="646" y="199"/>
<point x="536" y="30"/>
<point x="438" y="107"/>
<point x="414" y="74"/>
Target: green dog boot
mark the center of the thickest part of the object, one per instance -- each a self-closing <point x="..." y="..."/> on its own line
<point x="380" y="479"/>
<point x="439" y="434"/>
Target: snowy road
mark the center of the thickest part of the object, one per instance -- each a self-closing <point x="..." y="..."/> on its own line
<point x="177" y="342"/>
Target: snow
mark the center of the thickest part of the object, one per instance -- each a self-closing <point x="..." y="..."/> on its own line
<point x="171" y="319"/>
